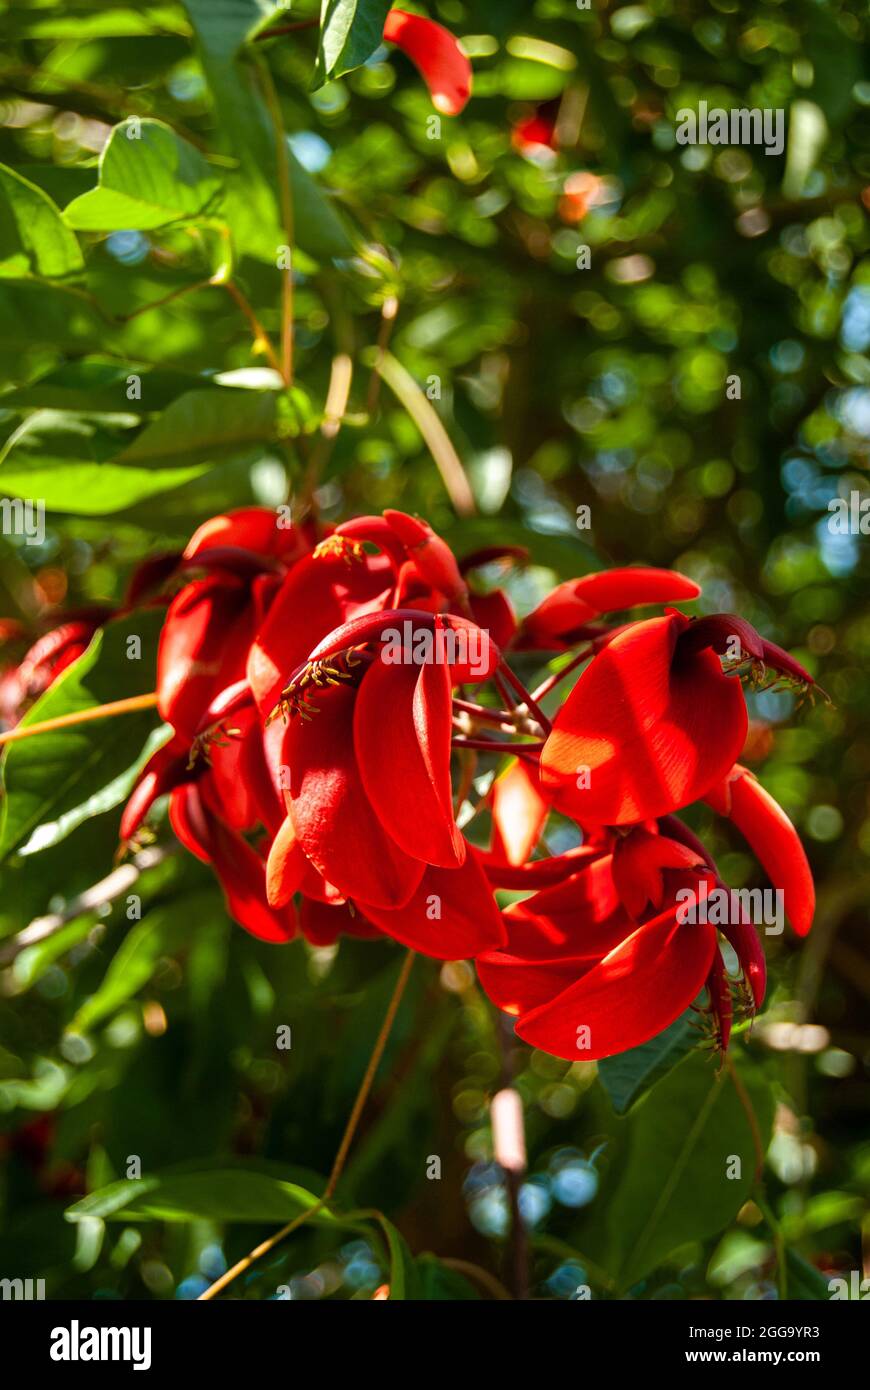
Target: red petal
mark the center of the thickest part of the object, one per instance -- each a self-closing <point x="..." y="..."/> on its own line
<point x="438" y="57"/>
<point x="285" y="866"/>
<point x="322" y="924"/>
<point x="203" y="648"/>
<point x="255" y="529"/>
<point x="495" y="613"/>
<point x="242" y="875"/>
<point x="408" y="780"/>
<point x="518" y="814"/>
<point x="648" y="730"/>
<point x="469" y="921"/>
<point x="541" y="873"/>
<point x="634" y="993"/>
<point x="432" y="556"/>
<point x="317" y="596"/>
<point x="777" y="844"/>
<point x="471" y="654"/>
<point x="337" y="827"/>
<point x="638" y="861"/>
<point x="161" y="773"/>
<point x="576" y="602"/>
<point x="191" y="822"/>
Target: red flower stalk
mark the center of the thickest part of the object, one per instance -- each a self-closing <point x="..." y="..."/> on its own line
<point x="436" y="54"/>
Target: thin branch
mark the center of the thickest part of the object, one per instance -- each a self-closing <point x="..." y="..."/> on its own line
<point x="285" y="199"/>
<point x="262" y="341"/>
<point x="113" y="886"/>
<point x="481" y="1276"/>
<point x="84" y="716"/>
<point x="344" y="1147"/>
<point x="389" y="310"/>
<point x="168" y="298"/>
<point x="749" y="1110"/>
<point x="405" y="388"/>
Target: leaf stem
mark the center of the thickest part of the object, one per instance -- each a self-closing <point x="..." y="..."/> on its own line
<point x="343" y="1148"/>
<point x="84" y="716"/>
<point x="262" y="341"/>
<point x="428" y="422"/>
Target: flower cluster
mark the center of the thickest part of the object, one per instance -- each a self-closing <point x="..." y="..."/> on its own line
<point x="337" y="700"/>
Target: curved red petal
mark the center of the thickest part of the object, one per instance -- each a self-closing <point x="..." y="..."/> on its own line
<point x="436" y="54"/>
<point x="335" y="823"/>
<point x="518" y="814"/>
<point x="643" y="732"/>
<point x="576" y="602"/>
<point x="773" y="838"/>
<point x="401" y="732"/>
<point x="317" y="596"/>
<point x="634" y="993"/>
<point x="452" y="915"/>
<point x="285" y="866"/>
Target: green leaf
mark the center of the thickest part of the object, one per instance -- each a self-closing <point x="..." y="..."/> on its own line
<point x="628" y="1075"/>
<point x="439" y="1284"/>
<point x="69" y="775"/>
<point x="149" y="177"/>
<point x="204" y="425"/>
<point x="350" y="32"/>
<point x="668" y="1178"/>
<point x="250" y="204"/>
<point x="67" y="463"/>
<point x="33" y="238"/>
<point x="804" y="1281"/>
<point x="404" y="1276"/>
<point x="224" y="1193"/>
<point x="161" y="932"/>
<point x="98" y="386"/>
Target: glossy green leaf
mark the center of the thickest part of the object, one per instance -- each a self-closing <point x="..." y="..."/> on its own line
<point x="680" y="1166"/>
<point x="163" y="930"/>
<point x="628" y="1075"/>
<point x="149" y="177"/>
<point x="226" y="1193"/>
<point x="69" y="464"/>
<point x="98" y="386"/>
<point x="350" y="32"/>
<point x="33" y="238"/>
<point x="205" y="424"/>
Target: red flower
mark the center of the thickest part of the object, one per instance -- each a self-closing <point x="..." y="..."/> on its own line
<point x="590" y="975"/>
<point x="535" y="134"/>
<point x="567" y="615"/>
<point x="436" y="54"/>
<point x="368" y="752"/>
<point x="212" y="621"/>
<point x="773" y="839"/>
<point x="654" y="721"/>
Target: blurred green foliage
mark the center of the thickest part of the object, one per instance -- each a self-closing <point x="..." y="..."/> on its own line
<point x="609" y="387"/>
